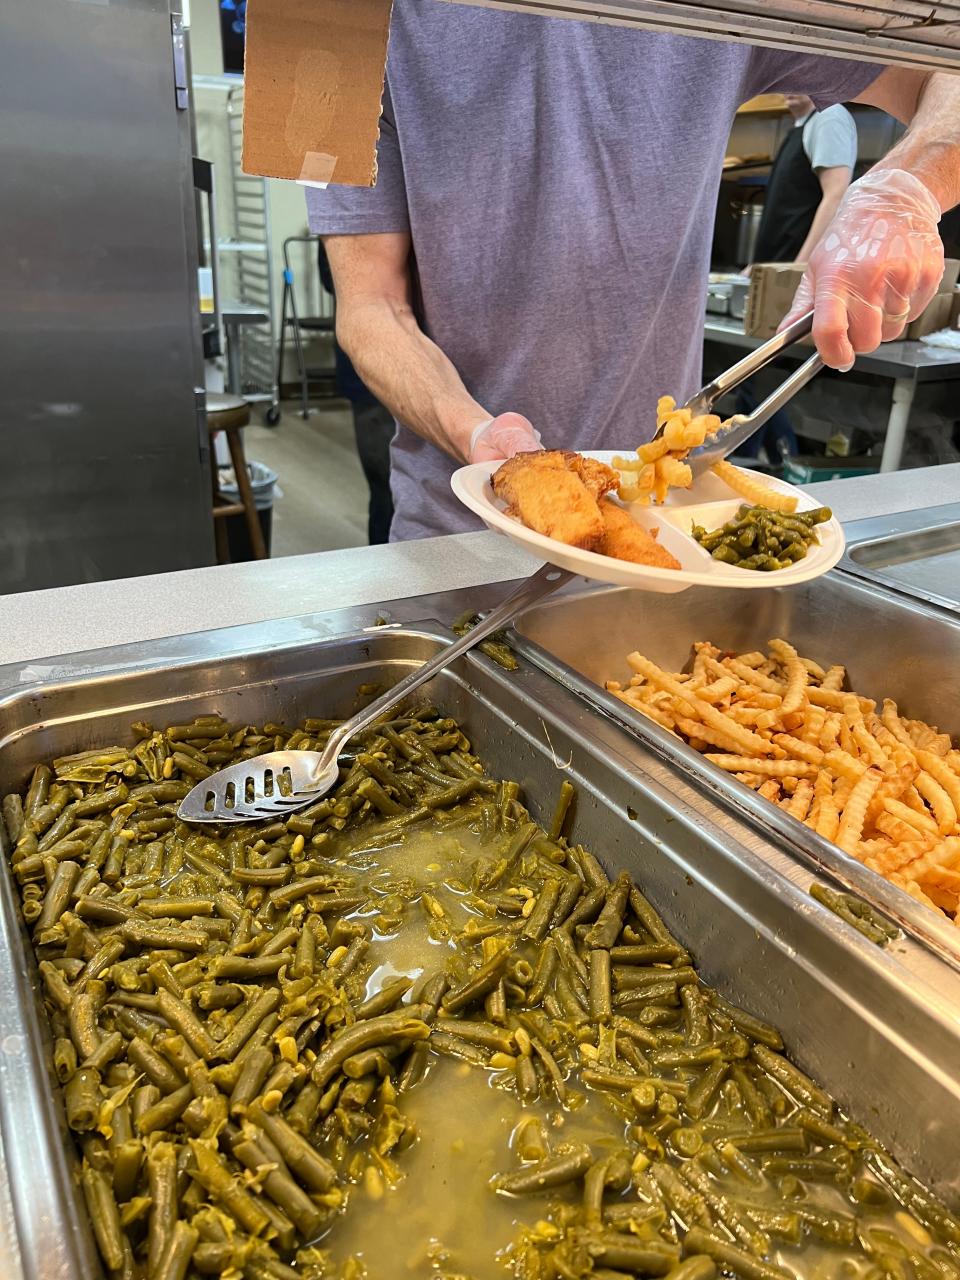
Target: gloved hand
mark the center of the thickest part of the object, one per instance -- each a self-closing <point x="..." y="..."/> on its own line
<point x="878" y="265"/>
<point x="502" y="437"/>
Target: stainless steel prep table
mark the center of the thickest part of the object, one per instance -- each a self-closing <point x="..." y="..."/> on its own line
<point x="723" y="888"/>
<point x="907" y="364"/>
<point x="916" y="552"/>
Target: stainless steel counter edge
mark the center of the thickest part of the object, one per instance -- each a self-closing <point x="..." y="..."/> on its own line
<point x="41" y="624"/>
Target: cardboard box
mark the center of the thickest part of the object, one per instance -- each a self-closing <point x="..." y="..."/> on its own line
<point x="313" y="84"/>
<point x="951" y="273"/>
<point x="772" y="288"/>
<point x="935" y="316"/>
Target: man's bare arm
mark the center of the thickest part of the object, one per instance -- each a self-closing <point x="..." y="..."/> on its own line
<point x="395" y="359"/>
<point x="833" y="182"/>
<point x="928" y="102"/>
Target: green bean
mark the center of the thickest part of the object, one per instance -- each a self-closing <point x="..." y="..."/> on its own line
<point x="64" y="1059"/>
<point x="38" y="790"/>
<point x="682" y="1199"/>
<point x="180" y="1249"/>
<point x="538" y="921"/>
<point x="81" y="1097"/>
<point x="211" y="1172"/>
<point x="157" y="1070"/>
<point x="749" y="1025"/>
<point x="105" y="1052"/>
<point x="696" y="1268"/>
<point x="698" y="1240"/>
<point x="254" y="1071"/>
<point x="58" y="895"/>
<point x="638" y="1257"/>
<point x="310" y="1167"/>
<point x="482" y="981"/>
<point x="250" y="969"/>
<point x="792" y="1079"/>
<point x="82" y="1019"/>
<point x="484" y="1034"/>
<point x="555" y="1171"/>
<point x="163" y="1114"/>
<point x="601" y="1007"/>
<point x="265" y="1003"/>
<point x="104" y="1215"/>
<point x="180" y="1017"/>
<point x="606" y="930"/>
<point x="567" y="793"/>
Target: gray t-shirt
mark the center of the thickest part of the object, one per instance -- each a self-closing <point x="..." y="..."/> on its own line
<point x="830" y="138"/>
<point x="559" y="179"/>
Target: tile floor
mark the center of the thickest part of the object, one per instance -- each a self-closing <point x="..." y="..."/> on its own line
<point x="324" y="502"/>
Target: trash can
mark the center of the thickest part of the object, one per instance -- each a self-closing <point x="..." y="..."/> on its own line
<point x="263" y="482"/>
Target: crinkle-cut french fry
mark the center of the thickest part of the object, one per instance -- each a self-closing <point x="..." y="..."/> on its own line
<point x="772" y="768"/>
<point x="939" y="801"/>
<point x="844" y="765"/>
<point x="794" y="692"/>
<point x="835" y="701"/>
<point x="797" y="748"/>
<point x="919" y="821"/>
<point x="799" y="805"/>
<point x="828" y="820"/>
<point x="893" y="723"/>
<point x="751" y="487"/>
<point x="941" y="771"/>
<point x="752" y="676"/>
<point x="695" y="729"/>
<point x="717" y="690"/>
<point x="770" y="789"/>
<point x="834" y="678"/>
<point x="855" y="811"/>
<point x="868" y="745"/>
<point x="830" y="732"/>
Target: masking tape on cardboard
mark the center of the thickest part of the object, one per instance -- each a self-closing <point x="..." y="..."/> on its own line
<point x="317" y="168"/>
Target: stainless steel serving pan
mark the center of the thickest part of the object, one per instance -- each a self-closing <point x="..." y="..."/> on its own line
<point x="880" y="1028"/>
<point x="916" y="553"/>
<point x="892" y="646"/>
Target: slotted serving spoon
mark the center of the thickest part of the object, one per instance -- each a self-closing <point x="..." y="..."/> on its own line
<point x="280" y="782"/>
<point x="743" y="425"/>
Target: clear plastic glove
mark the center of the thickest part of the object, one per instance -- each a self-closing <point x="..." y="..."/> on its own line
<point x="502" y="437"/>
<point x="876" y="268"/>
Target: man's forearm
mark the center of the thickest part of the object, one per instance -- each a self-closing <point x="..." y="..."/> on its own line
<point x="409" y="374"/>
<point x="930" y="148"/>
<point x="821" y="220"/>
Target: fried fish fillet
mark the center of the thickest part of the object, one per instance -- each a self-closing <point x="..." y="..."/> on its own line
<point x="624" y="539"/>
<point x="555" y="492"/>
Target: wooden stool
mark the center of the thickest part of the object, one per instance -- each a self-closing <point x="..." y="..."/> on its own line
<point x="229" y="414"/>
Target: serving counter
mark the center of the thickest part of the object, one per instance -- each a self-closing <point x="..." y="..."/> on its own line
<point x="41" y="624"/>
<point x="880" y="1028"/>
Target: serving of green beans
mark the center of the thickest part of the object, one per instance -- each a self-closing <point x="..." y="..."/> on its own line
<point x="761" y="539"/>
<point x="235" y="1087"/>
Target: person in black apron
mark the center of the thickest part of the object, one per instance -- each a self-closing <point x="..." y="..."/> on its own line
<point x="810" y="173"/>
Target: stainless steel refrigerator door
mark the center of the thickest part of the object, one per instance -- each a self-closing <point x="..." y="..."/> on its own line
<point x="105" y="467"/>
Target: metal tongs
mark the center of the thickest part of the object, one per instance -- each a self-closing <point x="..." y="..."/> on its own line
<point x="743" y="425"/>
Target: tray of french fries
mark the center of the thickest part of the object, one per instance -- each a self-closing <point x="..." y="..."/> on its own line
<point x="645" y="520"/>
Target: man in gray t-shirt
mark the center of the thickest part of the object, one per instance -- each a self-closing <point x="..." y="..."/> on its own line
<point x="538" y="240"/>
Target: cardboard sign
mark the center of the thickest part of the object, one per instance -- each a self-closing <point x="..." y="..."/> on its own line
<point x="313" y="84"/>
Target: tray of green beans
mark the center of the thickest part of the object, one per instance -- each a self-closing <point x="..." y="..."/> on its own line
<point x="761" y="539"/>
<point x="239" y="1084"/>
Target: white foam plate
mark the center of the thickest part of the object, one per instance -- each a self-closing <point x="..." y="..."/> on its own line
<point x="710" y="503"/>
